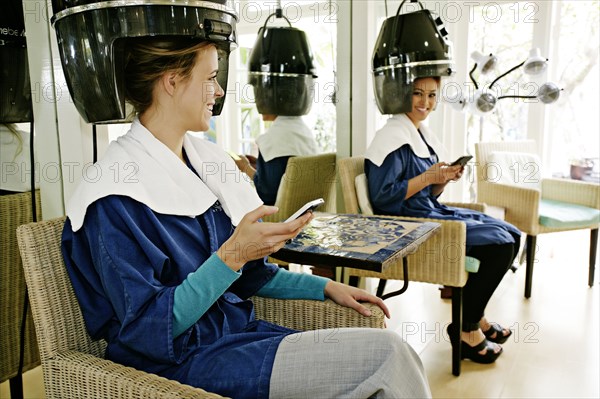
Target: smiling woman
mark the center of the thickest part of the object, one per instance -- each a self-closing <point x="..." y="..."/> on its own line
<point x="424" y="99"/>
<point x="180" y="252"/>
<point x="190" y="84"/>
<point x="406" y="177"/>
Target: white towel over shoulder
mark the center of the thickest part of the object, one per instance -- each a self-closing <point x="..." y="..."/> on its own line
<point x="398" y="131"/>
<point x="139" y="166"/>
<point x="287" y="136"/>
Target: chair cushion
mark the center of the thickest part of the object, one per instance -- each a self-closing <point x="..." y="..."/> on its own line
<point x="514" y="168"/>
<point x="559" y="214"/>
<point x="362" y="193"/>
<point x="472" y="264"/>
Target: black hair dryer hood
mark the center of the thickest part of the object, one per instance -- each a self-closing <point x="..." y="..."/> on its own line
<point x="91" y="35"/>
<point x="281" y="71"/>
<point x="15" y="87"/>
<point x="409" y="46"/>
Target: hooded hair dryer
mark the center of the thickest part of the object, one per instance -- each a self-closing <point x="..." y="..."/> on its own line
<point x="409" y="46"/>
<point x="91" y="37"/>
<point x="15" y="88"/>
<point x="281" y="70"/>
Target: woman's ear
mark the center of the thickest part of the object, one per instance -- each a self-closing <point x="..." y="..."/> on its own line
<point x="169" y="82"/>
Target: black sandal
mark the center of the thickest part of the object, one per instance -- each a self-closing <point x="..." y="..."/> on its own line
<point x="496" y="328"/>
<point x="472" y="352"/>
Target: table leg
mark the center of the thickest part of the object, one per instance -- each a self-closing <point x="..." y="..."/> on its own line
<point x="405" y="286"/>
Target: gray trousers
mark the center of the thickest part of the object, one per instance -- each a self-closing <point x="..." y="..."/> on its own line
<point x="347" y="363"/>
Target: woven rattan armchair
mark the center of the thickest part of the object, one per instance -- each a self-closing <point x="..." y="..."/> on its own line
<point x="15" y="210"/>
<point x="440" y="260"/>
<point x="73" y="363"/>
<point x="534" y="209"/>
<point x="305" y="179"/>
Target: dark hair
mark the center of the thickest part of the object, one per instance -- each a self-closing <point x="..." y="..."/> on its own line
<point x="437" y="79"/>
<point x="148" y="59"/>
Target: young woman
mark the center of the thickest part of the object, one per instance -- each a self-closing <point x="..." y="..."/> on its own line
<point x="405" y="177"/>
<point x="162" y="260"/>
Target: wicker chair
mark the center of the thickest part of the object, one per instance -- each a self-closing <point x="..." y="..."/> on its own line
<point x="440" y="260"/>
<point x="73" y="363"/>
<point x="526" y="206"/>
<point x="15" y="210"/>
<point x="305" y="179"/>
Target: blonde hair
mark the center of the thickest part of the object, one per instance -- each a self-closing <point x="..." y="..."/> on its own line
<point x="148" y="59"/>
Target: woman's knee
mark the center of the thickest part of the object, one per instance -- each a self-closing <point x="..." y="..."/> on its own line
<point x="394" y="347"/>
<point x="496" y="253"/>
<point x="402" y="360"/>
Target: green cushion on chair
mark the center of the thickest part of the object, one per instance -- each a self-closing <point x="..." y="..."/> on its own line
<point x="471" y="264"/>
<point x="565" y="215"/>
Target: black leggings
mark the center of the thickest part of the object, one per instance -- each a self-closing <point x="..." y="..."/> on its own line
<point x="494" y="260"/>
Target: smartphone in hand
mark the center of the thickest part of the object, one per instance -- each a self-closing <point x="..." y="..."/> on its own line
<point x="462" y="161"/>
<point x="309" y="206"/>
<point x="233" y="155"/>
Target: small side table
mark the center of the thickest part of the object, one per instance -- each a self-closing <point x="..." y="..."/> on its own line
<point x="358" y="241"/>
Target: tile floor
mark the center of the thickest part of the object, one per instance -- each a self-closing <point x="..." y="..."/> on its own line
<point x="554" y="352"/>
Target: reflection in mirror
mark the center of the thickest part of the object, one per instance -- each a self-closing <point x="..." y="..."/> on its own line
<point x="282" y="72"/>
<point x="18" y="203"/>
<point x="15" y="103"/>
<point x="244" y="123"/>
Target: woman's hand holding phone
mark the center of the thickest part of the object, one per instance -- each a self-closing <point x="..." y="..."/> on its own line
<point x="308" y="207"/>
<point x="462" y="161"/>
<point x="253" y="239"/>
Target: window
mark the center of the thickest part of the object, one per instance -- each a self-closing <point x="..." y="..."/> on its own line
<point x="506" y="30"/>
<point x="573" y="122"/>
<point x="568" y="128"/>
<point x="245" y="114"/>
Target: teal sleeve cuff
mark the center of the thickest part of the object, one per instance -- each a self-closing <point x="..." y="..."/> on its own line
<point x="199" y="291"/>
<point x="290" y="285"/>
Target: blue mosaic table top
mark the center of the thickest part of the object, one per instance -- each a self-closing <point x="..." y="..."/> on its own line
<point x="359" y="241"/>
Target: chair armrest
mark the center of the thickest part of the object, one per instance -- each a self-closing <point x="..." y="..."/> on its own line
<point x="491" y="210"/>
<point x="439" y="260"/>
<point x="469" y="205"/>
<point x="572" y="191"/>
<point x="521" y="204"/>
<point x="301" y="314"/>
<point x="80" y="375"/>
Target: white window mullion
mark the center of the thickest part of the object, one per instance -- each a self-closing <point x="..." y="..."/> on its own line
<point x="542" y="37"/>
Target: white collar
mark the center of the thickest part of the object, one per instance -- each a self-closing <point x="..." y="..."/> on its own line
<point x="398" y="131"/>
<point x="287" y="136"/>
<point x="141" y="167"/>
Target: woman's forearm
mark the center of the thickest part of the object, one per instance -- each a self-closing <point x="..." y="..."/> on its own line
<point x="436" y="176"/>
<point x="244" y="165"/>
<point x="437" y="189"/>
<point x="199" y="291"/>
<point x="250" y="171"/>
<point x="416" y="184"/>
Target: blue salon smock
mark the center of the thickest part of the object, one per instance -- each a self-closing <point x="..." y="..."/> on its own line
<point x="268" y="177"/>
<point x="288" y="136"/>
<point x="388" y="184"/>
<point x="226" y="351"/>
